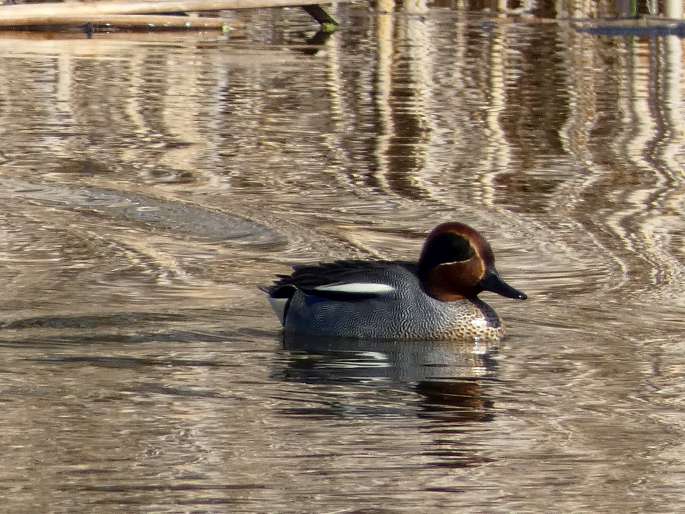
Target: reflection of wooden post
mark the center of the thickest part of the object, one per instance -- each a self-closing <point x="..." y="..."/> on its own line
<point x="673" y="8"/>
<point x="671" y="102"/>
<point x="385" y="33"/>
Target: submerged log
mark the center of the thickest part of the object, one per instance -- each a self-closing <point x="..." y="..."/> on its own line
<point x="647" y="26"/>
<point x="58" y="13"/>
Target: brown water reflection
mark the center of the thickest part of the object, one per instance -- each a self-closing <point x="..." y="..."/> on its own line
<point x="150" y="183"/>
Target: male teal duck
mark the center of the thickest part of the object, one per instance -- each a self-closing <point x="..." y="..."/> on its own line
<point x="434" y="299"/>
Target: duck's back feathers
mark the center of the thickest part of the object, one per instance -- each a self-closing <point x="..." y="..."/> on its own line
<point x="347" y="280"/>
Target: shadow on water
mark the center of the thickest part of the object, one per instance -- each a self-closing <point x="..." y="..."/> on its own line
<point x="124" y="329"/>
<point x="154" y="213"/>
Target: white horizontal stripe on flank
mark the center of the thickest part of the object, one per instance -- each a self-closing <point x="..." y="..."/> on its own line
<point x="356" y="288"/>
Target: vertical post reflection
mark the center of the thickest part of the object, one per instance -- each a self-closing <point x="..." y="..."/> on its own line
<point x="672" y="102"/>
<point x="497" y="151"/>
<point x="404" y="88"/>
<point x="385" y="33"/>
<point x="660" y="222"/>
<point x="673" y="8"/>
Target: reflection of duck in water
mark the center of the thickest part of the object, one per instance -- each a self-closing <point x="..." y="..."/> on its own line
<point x="434" y="299"/>
<point x="451" y="379"/>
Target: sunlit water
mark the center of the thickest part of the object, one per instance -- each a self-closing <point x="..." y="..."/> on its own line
<point x="150" y="184"/>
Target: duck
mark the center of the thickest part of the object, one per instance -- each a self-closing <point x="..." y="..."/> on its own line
<point x="434" y="299"/>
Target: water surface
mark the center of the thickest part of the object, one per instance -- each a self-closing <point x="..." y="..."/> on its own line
<point x="151" y="183"/>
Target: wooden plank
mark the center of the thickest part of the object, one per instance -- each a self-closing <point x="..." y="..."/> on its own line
<point x="55" y="13"/>
<point x="146" y="20"/>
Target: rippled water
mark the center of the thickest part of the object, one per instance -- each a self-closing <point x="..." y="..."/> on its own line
<point x="150" y="184"/>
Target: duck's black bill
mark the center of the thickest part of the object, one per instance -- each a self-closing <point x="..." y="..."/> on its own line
<point x="493" y="282"/>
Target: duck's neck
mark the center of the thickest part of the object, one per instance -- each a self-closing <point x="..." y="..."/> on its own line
<point x="440" y="284"/>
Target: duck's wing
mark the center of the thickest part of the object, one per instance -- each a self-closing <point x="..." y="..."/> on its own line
<point x="340" y="280"/>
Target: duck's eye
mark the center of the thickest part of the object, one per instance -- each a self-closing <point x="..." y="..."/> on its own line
<point x="450" y="247"/>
